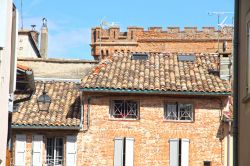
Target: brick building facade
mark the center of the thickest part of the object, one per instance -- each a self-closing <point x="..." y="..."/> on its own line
<point x="155" y="39"/>
<point x="130" y="109"/>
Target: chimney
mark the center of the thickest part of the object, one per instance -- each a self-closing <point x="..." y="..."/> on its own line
<point x="225" y="66"/>
<point x="44" y="39"/>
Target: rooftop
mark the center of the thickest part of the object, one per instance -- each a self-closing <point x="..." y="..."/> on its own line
<point x="161" y="73"/>
<point x="64" y="110"/>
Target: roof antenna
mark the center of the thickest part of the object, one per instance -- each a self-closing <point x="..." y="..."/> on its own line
<point x="220" y="25"/>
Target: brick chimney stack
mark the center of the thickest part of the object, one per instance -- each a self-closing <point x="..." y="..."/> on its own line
<point x="44" y="39"/>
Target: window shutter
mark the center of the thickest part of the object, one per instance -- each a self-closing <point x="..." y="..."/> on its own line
<point x="118" y="153"/>
<point x="20" y="150"/>
<point x="37" y="150"/>
<point x="173" y="152"/>
<point x="129" y="157"/>
<point x="184" y="152"/>
<point x="71" y="151"/>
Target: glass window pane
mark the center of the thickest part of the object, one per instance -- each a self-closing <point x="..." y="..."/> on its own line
<point x="185" y="111"/>
<point x="124" y="109"/>
<point x="171" y="112"/>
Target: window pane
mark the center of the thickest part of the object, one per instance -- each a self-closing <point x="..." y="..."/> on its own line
<point x="124" y="109"/>
<point x="54" y="156"/>
<point x="171" y="112"/>
<point x="50" y="151"/>
<point x="185" y="112"/>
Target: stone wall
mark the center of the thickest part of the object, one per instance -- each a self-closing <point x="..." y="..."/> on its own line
<point x="155" y="39"/>
<point x="151" y="132"/>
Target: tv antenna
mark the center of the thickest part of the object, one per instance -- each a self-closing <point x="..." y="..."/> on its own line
<point x="221" y="24"/>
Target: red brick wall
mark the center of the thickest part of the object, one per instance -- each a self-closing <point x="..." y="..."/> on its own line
<point x="157" y="40"/>
<point x="45" y="133"/>
<point x="151" y="132"/>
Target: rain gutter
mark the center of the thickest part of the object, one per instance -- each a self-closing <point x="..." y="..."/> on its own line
<point x="45" y="127"/>
<point x="154" y="92"/>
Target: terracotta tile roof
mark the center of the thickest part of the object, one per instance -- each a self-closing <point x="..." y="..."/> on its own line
<point x="25" y="68"/>
<point x="161" y="72"/>
<point x="64" y="109"/>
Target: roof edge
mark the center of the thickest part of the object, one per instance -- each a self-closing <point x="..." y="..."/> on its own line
<point x="45" y="127"/>
<point x="155" y="92"/>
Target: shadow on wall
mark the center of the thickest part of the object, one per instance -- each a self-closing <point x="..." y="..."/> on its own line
<point x="75" y="109"/>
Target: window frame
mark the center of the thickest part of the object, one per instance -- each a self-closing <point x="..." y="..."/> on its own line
<point x="54" y="150"/>
<point x="111" y="109"/>
<point x="178" y="111"/>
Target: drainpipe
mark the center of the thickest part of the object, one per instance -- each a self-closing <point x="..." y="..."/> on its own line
<point x="235" y="81"/>
<point x="82" y="104"/>
<point x="228" y="144"/>
<point x="88" y="113"/>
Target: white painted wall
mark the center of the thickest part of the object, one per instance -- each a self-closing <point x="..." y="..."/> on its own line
<point x="25" y="48"/>
<point x="7" y="57"/>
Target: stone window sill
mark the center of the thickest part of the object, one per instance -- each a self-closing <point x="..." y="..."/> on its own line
<point x="179" y="121"/>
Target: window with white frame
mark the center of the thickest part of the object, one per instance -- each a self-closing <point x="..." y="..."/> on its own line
<point x="124" y="152"/>
<point x="179" y="152"/>
<point x="124" y="109"/>
<point x="54" y="156"/>
<point x="178" y="112"/>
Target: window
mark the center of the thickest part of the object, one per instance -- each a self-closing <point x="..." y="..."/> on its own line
<point x="124" y="152"/>
<point x="179" y="152"/>
<point x="139" y="56"/>
<point x="124" y="109"/>
<point x="178" y="112"/>
<point x="186" y="58"/>
<point x="207" y="163"/>
<point x="54" y="156"/>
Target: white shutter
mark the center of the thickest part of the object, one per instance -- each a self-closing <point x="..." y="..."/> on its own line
<point x="129" y="158"/>
<point x="184" y="152"/>
<point x="173" y="152"/>
<point x="71" y="151"/>
<point x="118" y="152"/>
<point x="37" y="152"/>
<point x="20" y="150"/>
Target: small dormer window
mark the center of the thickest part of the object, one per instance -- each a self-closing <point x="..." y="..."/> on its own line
<point x="186" y="58"/>
<point x="139" y="56"/>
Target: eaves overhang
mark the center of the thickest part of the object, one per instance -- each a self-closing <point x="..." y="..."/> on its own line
<point x="154" y="92"/>
<point x="15" y="126"/>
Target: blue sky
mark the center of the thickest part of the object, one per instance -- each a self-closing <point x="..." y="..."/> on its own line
<point x="70" y="21"/>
